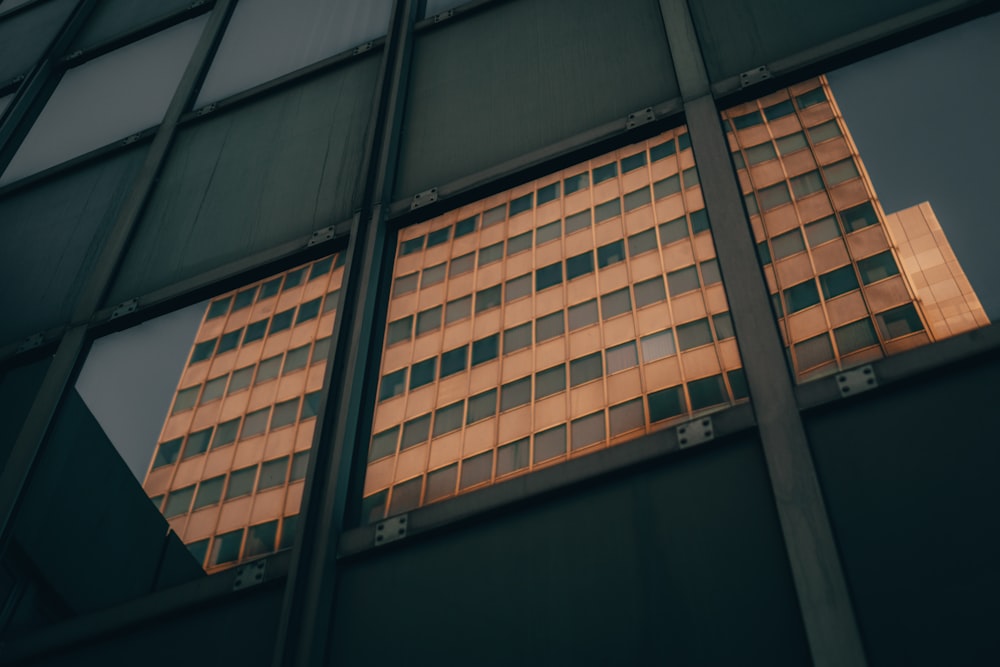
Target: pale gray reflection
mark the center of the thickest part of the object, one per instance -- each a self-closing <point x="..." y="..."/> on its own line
<point x="5" y="102"/>
<point x="108" y="98"/>
<point x="267" y="39"/>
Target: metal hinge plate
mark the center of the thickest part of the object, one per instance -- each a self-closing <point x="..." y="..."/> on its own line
<point x="196" y="4"/>
<point x="250" y="574"/>
<point x="444" y="16"/>
<point x="424" y="198"/>
<point x="390" y="530"/>
<point x="361" y="48"/>
<point x="320" y="235"/>
<point x="124" y="308"/>
<point x="31" y="342"/>
<point x="205" y="110"/>
<point x="73" y="56"/>
<point x="131" y="139"/>
<point x="856" y="380"/>
<point x="755" y="75"/>
<point x="695" y="432"/>
<point x="641" y="117"/>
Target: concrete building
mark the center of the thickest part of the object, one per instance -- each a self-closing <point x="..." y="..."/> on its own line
<point x="716" y="505"/>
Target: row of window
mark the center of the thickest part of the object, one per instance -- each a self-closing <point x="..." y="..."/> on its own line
<point x="261" y="539"/>
<point x="669" y="232"/>
<point x="541" y="447"/>
<point x="786" y="145"/>
<point x="894" y="323"/>
<point x="839" y="281"/>
<point x="553" y="191"/>
<point x="242" y="378"/>
<point x="244" y="298"/>
<point x="226" y="433"/>
<point x="552" y="380"/>
<point x="779" y="110"/>
<point x="254" y="331"/>
<point x="235" y="484"/>
<point x="803" y="185"/>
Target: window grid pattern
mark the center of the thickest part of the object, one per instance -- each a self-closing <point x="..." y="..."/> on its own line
<point x="254" y="401"/>
<point x="832" y="206"/>
<point x="601" y="284"/>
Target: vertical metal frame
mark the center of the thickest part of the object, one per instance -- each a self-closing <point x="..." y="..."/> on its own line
<point x="827" y="613"/>
<point x="72" y="347"/>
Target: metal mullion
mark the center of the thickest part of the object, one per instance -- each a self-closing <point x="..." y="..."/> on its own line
<point x="309" y="600"/>
<point x="824" y="601"/>
<point x="71" y="350"/>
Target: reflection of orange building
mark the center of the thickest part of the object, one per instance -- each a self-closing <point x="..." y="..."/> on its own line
<point x="848" y="283"/>
<point x="230" y="464"/>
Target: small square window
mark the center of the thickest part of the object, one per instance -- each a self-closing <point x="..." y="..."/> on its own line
<point x="763" y="253"/>
<point x="761" y="153"/>
<point x="229" y="341"/>
<point x="466" y="227"/>
<point x="400" y="330"/>
<point x="209" y="492"/>
<point x="842" y="171"/>
<point x="300" y="466"/>
<point x="482" y="406"/>
<point x="438" y="237"/>
<point x="684" y="142"/>
<point x="605" y="172"/>
<point x="478" y="469"/>
<point x="411" y="246"/>
<point x="488" y="298"/>
<point x="806" y="184"/>
<point x="517" y="338"/>
<point x="167" y="453"/>
<point x="738" y="383"/>
<point x="383" y="444"/>
<point x="642" y="242"/>
<point x="423" y="372"/>
<point x="513" y="457"/>
<point x="750" y="202"/>
<point x="699" y="221"/>
<point x="667" y="187"/>
<point x="666" y="403"/>
<point x="578" y="221"/>
<point x="622" y="357"/>
<point x="579" y="265"/>
<point x="607" y="210"/>
<point x="587" y="430"/>
<point x="549" y="327"/>
<point x="801" y="296"/>
<point x="583" y="315"/>
<point x="683" y="281"/>
<point x="660" y="151"/>
<point x="633" y="162"/>
<point x="549" y="232"/>
<point x="694" y="334"/>
<point x="490" y="254"/>
<point x="548" y="276"/>
<point x="178" y="502"/>
<point x="461" y="265"/>
<point x="611" y="253"/>
<point x="268" y="369"/>
<point x="637" y="198"/>
<point x="710" y="274"/>
<point x="707" y="391"/>
<point x="393" y="384"/>
<point x="261" y="539"/>
<point x="821" y="231"/>
<point x="218" y="308"/>
<point x="779" y="110"/>
<point x="859" y="217"/>
<point x="791" y="143"/>
<point x="550" y="444"/>
<point x="454" y="361"/>
<point x="294" y="278"/>
<point x="658" y="345"/>
<point x="813" y="352"/>
<point x="485" y="349"/>
<point x="839" y="281"/>
<point x="441" y="483"/>
<point x="855" y="336"/>
<point x="550" y="381"/>
<point x="585" y="369"/>
<point x="214" y="389"/>
<point x="576" y="183"/>
<point x="626" y="417"/>
<point x="674" y="230"/>
<point x="813" y="97"/>
<point x="241" y="482"/>
<point x="432" y="276"/>
<point x="331" y="300"/>
<point x="723" y="324"/>
<point x="405" y="284"/>
<point x="226" y="548"/>
<point x="788" y="244"/>
<point x="448" y="418"/>
<point x="520" y="243"/>
<point x="255" y="423"/>
<point x="547" y="193"/>
<point x="458" y="309"/>
<point x="186" y="399"/>
<point x="310" y="405"/>
<point x="285" y="413"/>
<point x="203" y="351"/>
<point x="319" y="269"/>
<point x="522" y="204"/>
<point x="308" y="311"/>
<point x="494" y="215"/>
<point x="244" y="298"/>
<point x="616" y="303"/>
<point x="416" y="431"/>
<point x="429" y="320"/>
<point x="225" y="433"/>
<point x="877" y="267"/>
<point x="273" y="473"/>
<point x="738" y="160"/>
<point x="899" y="321"/>
<point x="649" y="292"/>
<point x="774" y="196"/>
<point x="515" y="394"/>
<point x="197" y="443"/>
<point x="321" y="351"/>
<point x="241" y="379"/>
<point x="517" y="288"/>
<point x="825" y="131"/>
<point x="747" y="120"/>
<point x="406" y="496"/>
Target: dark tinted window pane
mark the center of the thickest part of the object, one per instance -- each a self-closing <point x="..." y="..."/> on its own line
<point x="518" y="287"/>
<point x="412" y="246"/>
<point x="626" y="416"/>
<point x="273" y="473"/>
<point x="658" y="345"/>
<point x="167" y="453"/>
<point x="485" y="349"/>
<point x="218" y="308"/>
<point x="321" y="350"/>
<point x="548" y="193"/>
<point x="576" y="183"/>
<point x="665" y="403"/>
<point x="763" y="253"/>
<point x="405" y="284"/>
<point x="761" y="153"/>
<point x="615" y="303"/>
<point x="406" y="496"/>
<point x="392" y="384"/>
<point x="244" y="298"/>
<point x="415" y="431"/>
<point x="423" y="372"/>
<point x="578" y="221"/>
<point x="514" y="456"/>
<point x="203" y="351"/>
<point x="694" y="334"/>
<point x="373" y="509"/>
<point x="308" y="311"/>
<point x="209" y="492"/>
<point x="321" y="268"/>
<point x="519" y="243"/>
<point x="668" y="186"/>
<point x="488" y="298"/>
<point x="859" y="217"/>
<point x="448" y="418"/>
<point x="675" y="230"/>
<point x="517" y="338"/>
<point x="683" y="281"/>
<point x="587" y="430"/>
<point x="822" y="231"/>
<point x="550" y="444"/>
<point x="441" y="483"/>
<point x="241" y="482"/>
<point x="550" y="381"/>
<point x="454" y="361"/>
<point x="710" y="272"/>
<point x="582" y="315"/>
<point x="548" y="232"/>
<point x="899" y="321"/>
<point x="458" y="309"/>
<point x="290" y="524"/>
<point x="649" y="292"/>
<point x="438" y="237"/>
<point x="495" y="215"/>
<point x="580" y="265"/>
<point x="839" y="281"/>
<point x="261" y="539"/>
<point x="855" y="336"/>
<point x="814" y="351"/>
<point x="400" y="330"/>
<point x="707" y="391"/>
<point x="642" y="242"/>
<point x="788" y="244"/>
<point x="383" y="444"/>
<point x="549" y="326"/>
<point x="605" y="172"/>
<point x="482" y="406"/>
<point x="723" y="324"/>
<point x="660" y="151"/>
<point x="585" y="369"/>
<point x="229" y="341"/>
<point x="461" y="265"/>
<point x="285" y="413"/>
<point x="214" y="389"/>
<point x="466" y="227"/>
<point x="478" y="469"/>
<point x="197" y="443"/>
<point x="637" y="198"/>
<point x="310" y="404"/>
<point x="241" y="379"/>
<point x="429" y="320"/>
<point x="610" y="254"/>
<point x="815" y="96"/>
<point x="779" y="110"/>
<point x="294" y="279"/>
<point x="791" y="143"/>
<point x="548" y="276"/>
<point x="225" y="433"/>
<point x="621" y="357"/>
<point x="186" y="398"/>
<point x="268" y="369"/>
<point x="738" y="160"/>
<point x="774" y="196"/>
<point x="490" y="254"/>
<point x="522" y="204"/>
<point x="738" y="383"/>
<point x="699" y="221"/>
<point x="747" y="120"/>
<point x="432" y="276"/>
<point x="330" y="301"/>
<point x="178" y="502"/>
<point x="607" y="210"/>
<point x="300" y="465"/>
<point x="806" y="184"/>
<point x="877" y="267"/>
<point x="255" y="423"/>
<point x="226" y="548"/>
<point x="684" y="142"/>
<point x="515" y="393"/>
<point x="633" y="162"/>
<point x="801" y="296"/>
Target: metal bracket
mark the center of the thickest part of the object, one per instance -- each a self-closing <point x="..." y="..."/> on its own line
<point x="856" y="380"/>
<point x="444" y="16"/>
<point x="124" y="308"/>
<point x="390" y="530"/>
<point x="131" y="139"/>
<point x="424" y="198"/>
<point x="320" y="235"/>
<point x="250" y="574"/>
<point x="30" y="343"/>
<point x="361" y="48"/>
<point x="755" y="75"/>
<point x="73" y="56"/>
<point x="695" y="432"/>
<point x="641" y="117"/>
<point x="205" y="110"/>
<point x="196" y="4"/>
